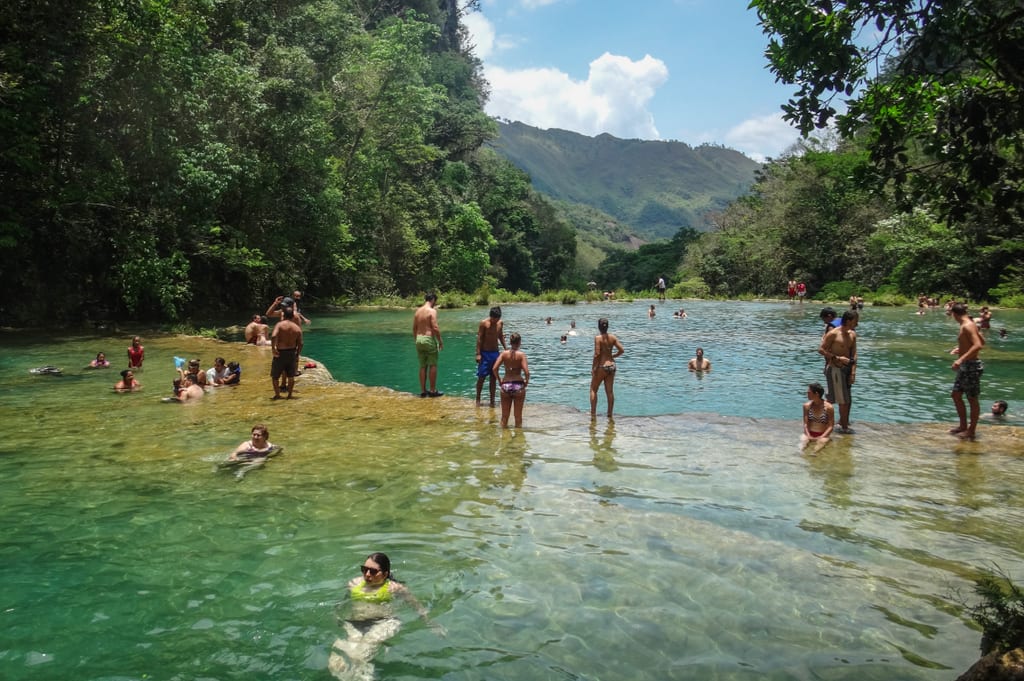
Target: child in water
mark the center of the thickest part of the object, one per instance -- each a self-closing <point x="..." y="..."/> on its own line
<point x="371" y="620"/>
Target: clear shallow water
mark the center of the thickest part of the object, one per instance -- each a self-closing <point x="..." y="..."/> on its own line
<point x="680" y="546"/>
<point x="763" y="355"/>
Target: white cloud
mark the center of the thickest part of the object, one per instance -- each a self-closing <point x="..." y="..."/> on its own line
<point x="613" y="98"/>
<point x="762" y="137"/>
<point x="481" y="32"/>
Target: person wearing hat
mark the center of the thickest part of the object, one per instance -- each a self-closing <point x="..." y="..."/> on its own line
<point x="277" y="307"/>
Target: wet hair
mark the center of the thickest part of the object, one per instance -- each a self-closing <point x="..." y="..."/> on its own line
<point x="219" y="360"/>
<point x="260" y="427"/>
<point x="430" y="297"/>
<point x="1003" y="406"/>
<point x="232" y="365"/>
<point x="850" y="315"/>
<point x="827" y="312"/>
<point x="177" y="386"/>
<point x="958" y="309"/>
<point x="190" y="378"/>
<point x="288" y="312"/>
<point x="496" y="312"/>
<point x="816" y="389"/>
<point x="125" y="372"/>
<point x="700" y="351"/>
<point x="602" y="325"/>
<point x="383" y="561"/>
<point x="515" y="339"/>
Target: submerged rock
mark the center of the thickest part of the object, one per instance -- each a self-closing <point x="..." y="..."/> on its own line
<point x="997" y="667"/>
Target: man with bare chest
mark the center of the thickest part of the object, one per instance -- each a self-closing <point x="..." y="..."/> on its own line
<point x="286" y="343"/>
<point x="839" y="348"/>
<point x="488" y="335"/>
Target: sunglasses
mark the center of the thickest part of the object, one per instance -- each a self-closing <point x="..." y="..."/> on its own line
<point x="372" y="571"/>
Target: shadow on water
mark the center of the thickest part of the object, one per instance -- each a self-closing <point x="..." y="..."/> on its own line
<point x="678" y="545"/>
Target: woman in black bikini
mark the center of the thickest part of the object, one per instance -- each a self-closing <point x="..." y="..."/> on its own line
<point x="606" y="349"/>
<point x="513" y="385"/>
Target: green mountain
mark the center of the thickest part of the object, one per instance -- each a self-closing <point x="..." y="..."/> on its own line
<point x="653" y="188"/>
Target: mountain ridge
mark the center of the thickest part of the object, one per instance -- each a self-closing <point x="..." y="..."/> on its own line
<point x="654" y="188"/>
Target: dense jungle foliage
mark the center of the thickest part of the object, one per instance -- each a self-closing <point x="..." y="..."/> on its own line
<point x="165" y="156"/>
<point x="168" y="159"/>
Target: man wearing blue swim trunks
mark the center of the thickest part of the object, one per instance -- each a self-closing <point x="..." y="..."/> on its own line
<point x="488" y="335"/>
<point x="428" y="344"/>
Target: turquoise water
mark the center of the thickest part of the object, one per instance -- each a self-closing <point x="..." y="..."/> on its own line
<point x="693" y="542"/>
<point x="763" y="355"/>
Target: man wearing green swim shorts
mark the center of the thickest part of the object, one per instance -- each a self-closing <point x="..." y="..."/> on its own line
<point x="428" y="344"/>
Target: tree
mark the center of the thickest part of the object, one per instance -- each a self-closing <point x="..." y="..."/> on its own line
<point x="937" y="86"/>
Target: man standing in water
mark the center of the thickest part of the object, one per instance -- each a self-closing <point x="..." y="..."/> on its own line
<point x="428" y="344"/>
<point x="968" y="370"/>
<point x="488" y="335"/>
<point x="698" y="363"/>
<point x="839" y="348"/>
<point x="286" y="343"/>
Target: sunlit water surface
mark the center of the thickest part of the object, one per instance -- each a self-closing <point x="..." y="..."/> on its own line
<point x="687" y="539"/>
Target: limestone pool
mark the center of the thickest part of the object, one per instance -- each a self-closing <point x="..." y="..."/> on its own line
<point x="687" y="539"/>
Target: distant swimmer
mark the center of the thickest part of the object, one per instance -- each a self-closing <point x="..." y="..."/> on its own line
<point x="651" y="312"/>
<point x="699" y="363"/>
<point x="101" y="361"/>
<point x="572" y="329"/>
<point x="127" y="383"/>
<point x="136" y="353"/>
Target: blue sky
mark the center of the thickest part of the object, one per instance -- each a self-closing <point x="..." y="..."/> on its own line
<point x="686" y="70"/>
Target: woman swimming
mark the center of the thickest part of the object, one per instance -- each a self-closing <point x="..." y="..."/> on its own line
<point x="259" y="447"/>
<point x="607" y="349"/>
<point x="513" y="385"/>
<point x="371" y="620"/>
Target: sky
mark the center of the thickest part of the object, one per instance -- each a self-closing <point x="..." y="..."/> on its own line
<point x="693" y="71"/>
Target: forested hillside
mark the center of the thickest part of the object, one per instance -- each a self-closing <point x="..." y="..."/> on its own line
<point x="655" y="188"/>
<point x="172" y="159"/>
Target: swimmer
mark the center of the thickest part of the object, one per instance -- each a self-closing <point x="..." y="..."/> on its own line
<point x="255" y="449"/>
<point x="699" y="363"/>
<point x="191" y="391"/>
<point x="371" y="620"/>
<point x="101" y="361"/>
<point x="998" y="411"/>
<point x="819" y="419"/>
<point x="607" y="349"/>
<point x="136" y="353"/>
<point x="564" y="339"/>
<point x="651" y="312"/>
<point x="572" y="329"/>
<point x="127" y="383"/>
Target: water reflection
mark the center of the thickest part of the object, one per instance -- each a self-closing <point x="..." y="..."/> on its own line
<point x="687" y="545"/>
<point x="604" y="451"/>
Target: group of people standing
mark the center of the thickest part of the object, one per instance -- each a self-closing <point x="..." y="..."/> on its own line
<point x="503" y="364"/>
<point x="839" y="349"/>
